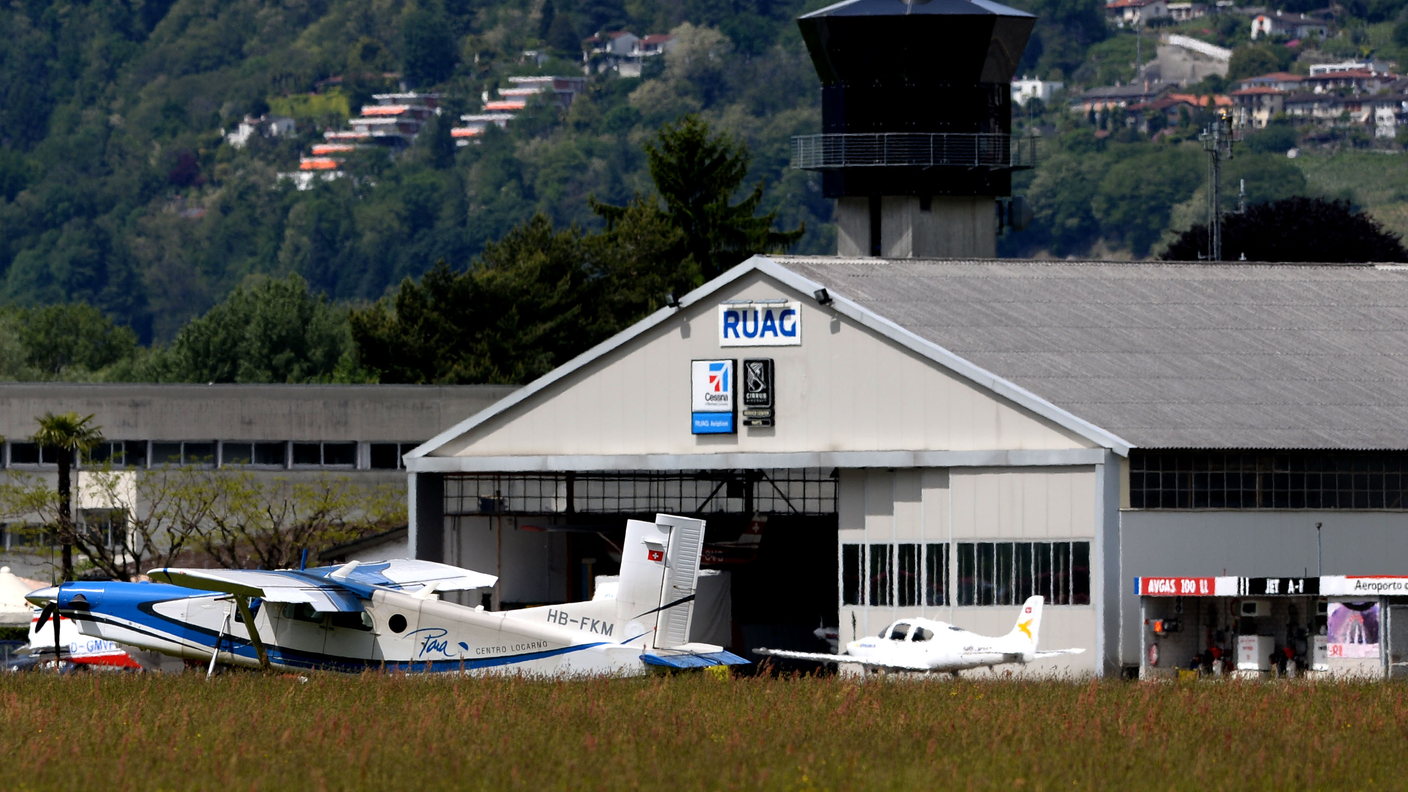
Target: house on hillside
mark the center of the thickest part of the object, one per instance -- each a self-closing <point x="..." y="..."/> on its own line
<point x="500" y="108"/>
<point x="1101" y="100"/>
<point x="1256" y="106"/>
<point x="1182" y="12"/>
<point x="1291" y="26"/>
<point x="1281" y="81"/>
<point x="1028" y="88"/>
<point x="620" y="43"/>
<point x="1355" y="81"/>
<point x="655" y="44"/>
<point x="1171" y="108"/>
<point x="265" y="126"/>
<point x="1134" y="13"/>
<point x="1325" y="109"/>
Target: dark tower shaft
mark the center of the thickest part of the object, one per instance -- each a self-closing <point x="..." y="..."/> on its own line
<point x="916" y="122"/>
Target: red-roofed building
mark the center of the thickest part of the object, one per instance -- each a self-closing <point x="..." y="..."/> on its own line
<point x="1281" y="81"/>
<point x="1136" y="12"/>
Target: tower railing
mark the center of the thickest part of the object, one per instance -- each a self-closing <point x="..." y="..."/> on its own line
<point x="913" y="149"/>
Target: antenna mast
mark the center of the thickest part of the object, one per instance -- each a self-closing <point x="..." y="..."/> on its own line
<point x="1217" y="139"/>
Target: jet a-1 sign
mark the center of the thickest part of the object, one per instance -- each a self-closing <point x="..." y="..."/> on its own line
<point x="387" y="615"/>
<point x="925" y="645"/>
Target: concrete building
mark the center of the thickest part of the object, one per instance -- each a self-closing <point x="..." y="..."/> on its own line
<point x="943" y="438"/>
<point x="1029" y="88"/>
<point x="1187" y="61"/>
<point x="293" y="431"/>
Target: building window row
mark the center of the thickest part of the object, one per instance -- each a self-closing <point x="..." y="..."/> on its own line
<point x="903" y="574"/>
<point x="1007" y="573"/>
<point x="989" y="573"/>
<point x="280" y="454"/>
<point x="1306" y="480"/>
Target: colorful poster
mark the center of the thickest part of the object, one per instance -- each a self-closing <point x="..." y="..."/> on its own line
<point x="1353" y="629"/>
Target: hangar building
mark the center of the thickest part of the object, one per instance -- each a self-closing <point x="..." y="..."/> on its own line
<point x="945" y="437"/>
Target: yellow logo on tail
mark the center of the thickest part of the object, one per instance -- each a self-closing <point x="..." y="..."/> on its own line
<point x="1026" y="627"/>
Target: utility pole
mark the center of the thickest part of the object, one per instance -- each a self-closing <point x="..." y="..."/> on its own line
<point x="1217" y="139"/>
<point x="1139" y="49"/>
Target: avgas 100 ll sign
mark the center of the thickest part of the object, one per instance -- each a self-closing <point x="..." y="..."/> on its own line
<point x="745" y="324"/>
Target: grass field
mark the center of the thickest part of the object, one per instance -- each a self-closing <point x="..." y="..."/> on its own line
<point x="245" y="731"/>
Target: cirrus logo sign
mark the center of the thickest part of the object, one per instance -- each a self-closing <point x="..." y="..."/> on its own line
<point x="712" y="386"/>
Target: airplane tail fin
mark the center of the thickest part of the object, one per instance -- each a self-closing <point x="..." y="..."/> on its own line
<point x="1028" y="626"/>
<point x="659" y="568"/>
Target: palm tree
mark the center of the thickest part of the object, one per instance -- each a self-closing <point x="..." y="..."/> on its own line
<point x="68" y="434"/>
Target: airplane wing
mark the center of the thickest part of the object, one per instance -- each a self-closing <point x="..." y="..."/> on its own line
<point x="837" y="658"/>
<point x="327" y="588"/>
<point x="403" y="573"/>
<point x="273" y="586"/>
<point x="1056" y="652"/>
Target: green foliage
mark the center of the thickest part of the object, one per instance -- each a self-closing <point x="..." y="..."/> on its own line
<point x="268" y="331"/>
<point x="1257" y="59"/>
<point x="327" y="108"/>
<point x="697" y="172"/>
<point x="256" y="522"/>
<point x="1295" y="229"/>
<point x="1274" y="138"/>
<point x="427" y="48"/>
<point x="61" y="338"/>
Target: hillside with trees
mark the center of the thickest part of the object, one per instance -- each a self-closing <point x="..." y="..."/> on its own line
<point x="137" y="242"/>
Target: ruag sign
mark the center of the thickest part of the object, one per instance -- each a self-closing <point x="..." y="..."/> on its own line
<point x="744" y="323"/>
<point x="713" y="384"/>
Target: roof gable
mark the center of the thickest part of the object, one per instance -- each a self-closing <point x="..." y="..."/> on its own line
<point x="608" y="401"/>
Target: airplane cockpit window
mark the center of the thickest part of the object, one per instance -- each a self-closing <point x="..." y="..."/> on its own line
<point x="921" y="634"/>
<point x="955" y="629"/>
<point x="361" y="620"/>
<point x="302" y="611"/>
<point x="899" y="631"/>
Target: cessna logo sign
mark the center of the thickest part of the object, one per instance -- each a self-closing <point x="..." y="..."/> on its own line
<point x="713" y="384"/>
<point x="761" y="323"/>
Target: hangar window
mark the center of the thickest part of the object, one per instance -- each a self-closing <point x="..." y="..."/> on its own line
<point x="882" y="569"/>
<point x="1006" y="573"/>
<point x="806" y="491"/>
<point x="190" y="452"/>
<point x="387" y="456"/>
<point x="1250" y="480"/>
<point x="889" y="574"/>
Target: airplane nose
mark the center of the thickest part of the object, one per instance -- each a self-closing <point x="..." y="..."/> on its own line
<point x="41" y="597"/>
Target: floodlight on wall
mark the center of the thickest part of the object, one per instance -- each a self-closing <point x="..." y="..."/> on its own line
<point x="671" y="300"/>
<point x="822" y="296"/>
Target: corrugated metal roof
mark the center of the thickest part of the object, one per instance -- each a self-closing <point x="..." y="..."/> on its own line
<point x="1166" y="355"/>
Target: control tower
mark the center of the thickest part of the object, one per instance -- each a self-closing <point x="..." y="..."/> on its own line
<point x="916" y="144"/>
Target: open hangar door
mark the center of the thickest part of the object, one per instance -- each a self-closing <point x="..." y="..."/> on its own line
<point x="769" y="574"/>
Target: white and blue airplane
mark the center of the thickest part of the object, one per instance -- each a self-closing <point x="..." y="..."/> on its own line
<point x="927" y="645"/>
<point x="387" y="615"/>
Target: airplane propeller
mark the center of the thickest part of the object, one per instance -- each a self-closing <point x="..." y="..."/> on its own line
<point x="51" y="611"/>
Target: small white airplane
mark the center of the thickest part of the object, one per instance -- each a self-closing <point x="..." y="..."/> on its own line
<point x="926" y="645"/>
<point x="356" y="616"/>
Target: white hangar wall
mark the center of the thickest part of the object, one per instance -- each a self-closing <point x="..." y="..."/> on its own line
<point x="953" y="506"/>
<point x="844" y="388"/>
<point x="925" y="455"/>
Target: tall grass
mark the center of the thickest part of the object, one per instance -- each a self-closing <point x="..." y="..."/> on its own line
<point x="246" y="731"/>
